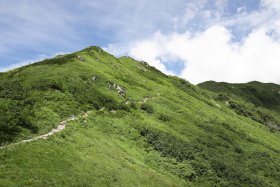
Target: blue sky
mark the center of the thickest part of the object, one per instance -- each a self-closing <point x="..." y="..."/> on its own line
<point x="199" y="40"/>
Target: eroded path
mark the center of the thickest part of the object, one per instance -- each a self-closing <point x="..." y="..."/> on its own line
<point x="62" y="126"/>
<point x="59" y="128"/>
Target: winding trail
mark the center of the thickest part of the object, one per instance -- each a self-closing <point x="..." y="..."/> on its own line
<point x="62" y="126"/>
<point x="150" y="98"/>
<point x="59" y="128"/>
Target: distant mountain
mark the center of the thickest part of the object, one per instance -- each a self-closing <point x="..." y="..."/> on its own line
<point x="90" y="119"/>
<point x="261" y="94"/>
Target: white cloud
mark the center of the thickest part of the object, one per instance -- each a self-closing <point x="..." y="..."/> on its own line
<point x="211" y="55"/>
<point x="214" y="53"/>
<point x="195" y="32"/>
<point x="272" y="4"/>
<point x="31" y="27"/>
<point x="254" y="59"/>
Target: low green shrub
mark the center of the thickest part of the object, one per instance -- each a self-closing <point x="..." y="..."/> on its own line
<point x="164" y="117"/>
<point x="133" y="105"/>
<point x="148" y="108"/>
<point x="123" y="106"/>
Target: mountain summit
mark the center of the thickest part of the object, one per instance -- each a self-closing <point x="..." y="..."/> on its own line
<point x="90" y="119"/>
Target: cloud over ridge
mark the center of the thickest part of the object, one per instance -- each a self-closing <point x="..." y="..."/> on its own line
<point x="214" y="53"/>
<point x="199" y="40"/>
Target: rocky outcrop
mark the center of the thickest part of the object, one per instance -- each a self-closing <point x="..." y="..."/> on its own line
<point x="81" y="58"/>
<point x="121" y="91"/>
<point x="142" y="68"/>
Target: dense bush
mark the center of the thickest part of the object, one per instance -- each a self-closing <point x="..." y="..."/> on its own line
<point x="148" y="108"/>
<point x="216" y="156"/>
<point x="14" y="89"/>
<point x="239" y="109"/>
<point x="123" y="106"/>
<point x="17" y="116"/>
<point x="223" y="97"/>
<point x="133" y="105"/>
<point x="61" y="95"/>
<point x="164" y="117"/>
<point x="256" y="115"/>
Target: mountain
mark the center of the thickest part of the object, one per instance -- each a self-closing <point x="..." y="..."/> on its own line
<point x="256" y="100"/>
<point x="91" y="119"/>
<point x="265" y="95"/>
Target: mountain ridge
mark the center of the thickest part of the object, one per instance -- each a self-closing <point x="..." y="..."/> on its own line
<point x="145" y="128"/>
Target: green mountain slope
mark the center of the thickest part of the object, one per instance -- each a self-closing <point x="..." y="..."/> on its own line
<point x="258" y="101"/>
<point x="135" y="126"/>
<point x="261" y="94"/>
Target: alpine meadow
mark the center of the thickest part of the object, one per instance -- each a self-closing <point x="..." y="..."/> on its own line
<point x="91" y="119"/>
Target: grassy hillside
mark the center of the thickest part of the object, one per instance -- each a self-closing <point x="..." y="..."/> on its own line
<point x="258" y="101"/>
<point x="261" y="94"/>
<point x="142" y="128"/>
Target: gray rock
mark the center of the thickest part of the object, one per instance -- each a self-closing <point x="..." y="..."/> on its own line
<point x="94" y="78"/>
<point x="109" y="85"/>
<point x="81" y="58"/>
<point x="120" y="90"/>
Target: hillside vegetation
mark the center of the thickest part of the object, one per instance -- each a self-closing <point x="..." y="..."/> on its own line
<point x="135" y="126"/>
<point x="265" y="95"/>
<point x="256" y="100"/>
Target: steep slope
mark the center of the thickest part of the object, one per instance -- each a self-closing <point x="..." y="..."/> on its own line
<point x="135" y="126"/>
